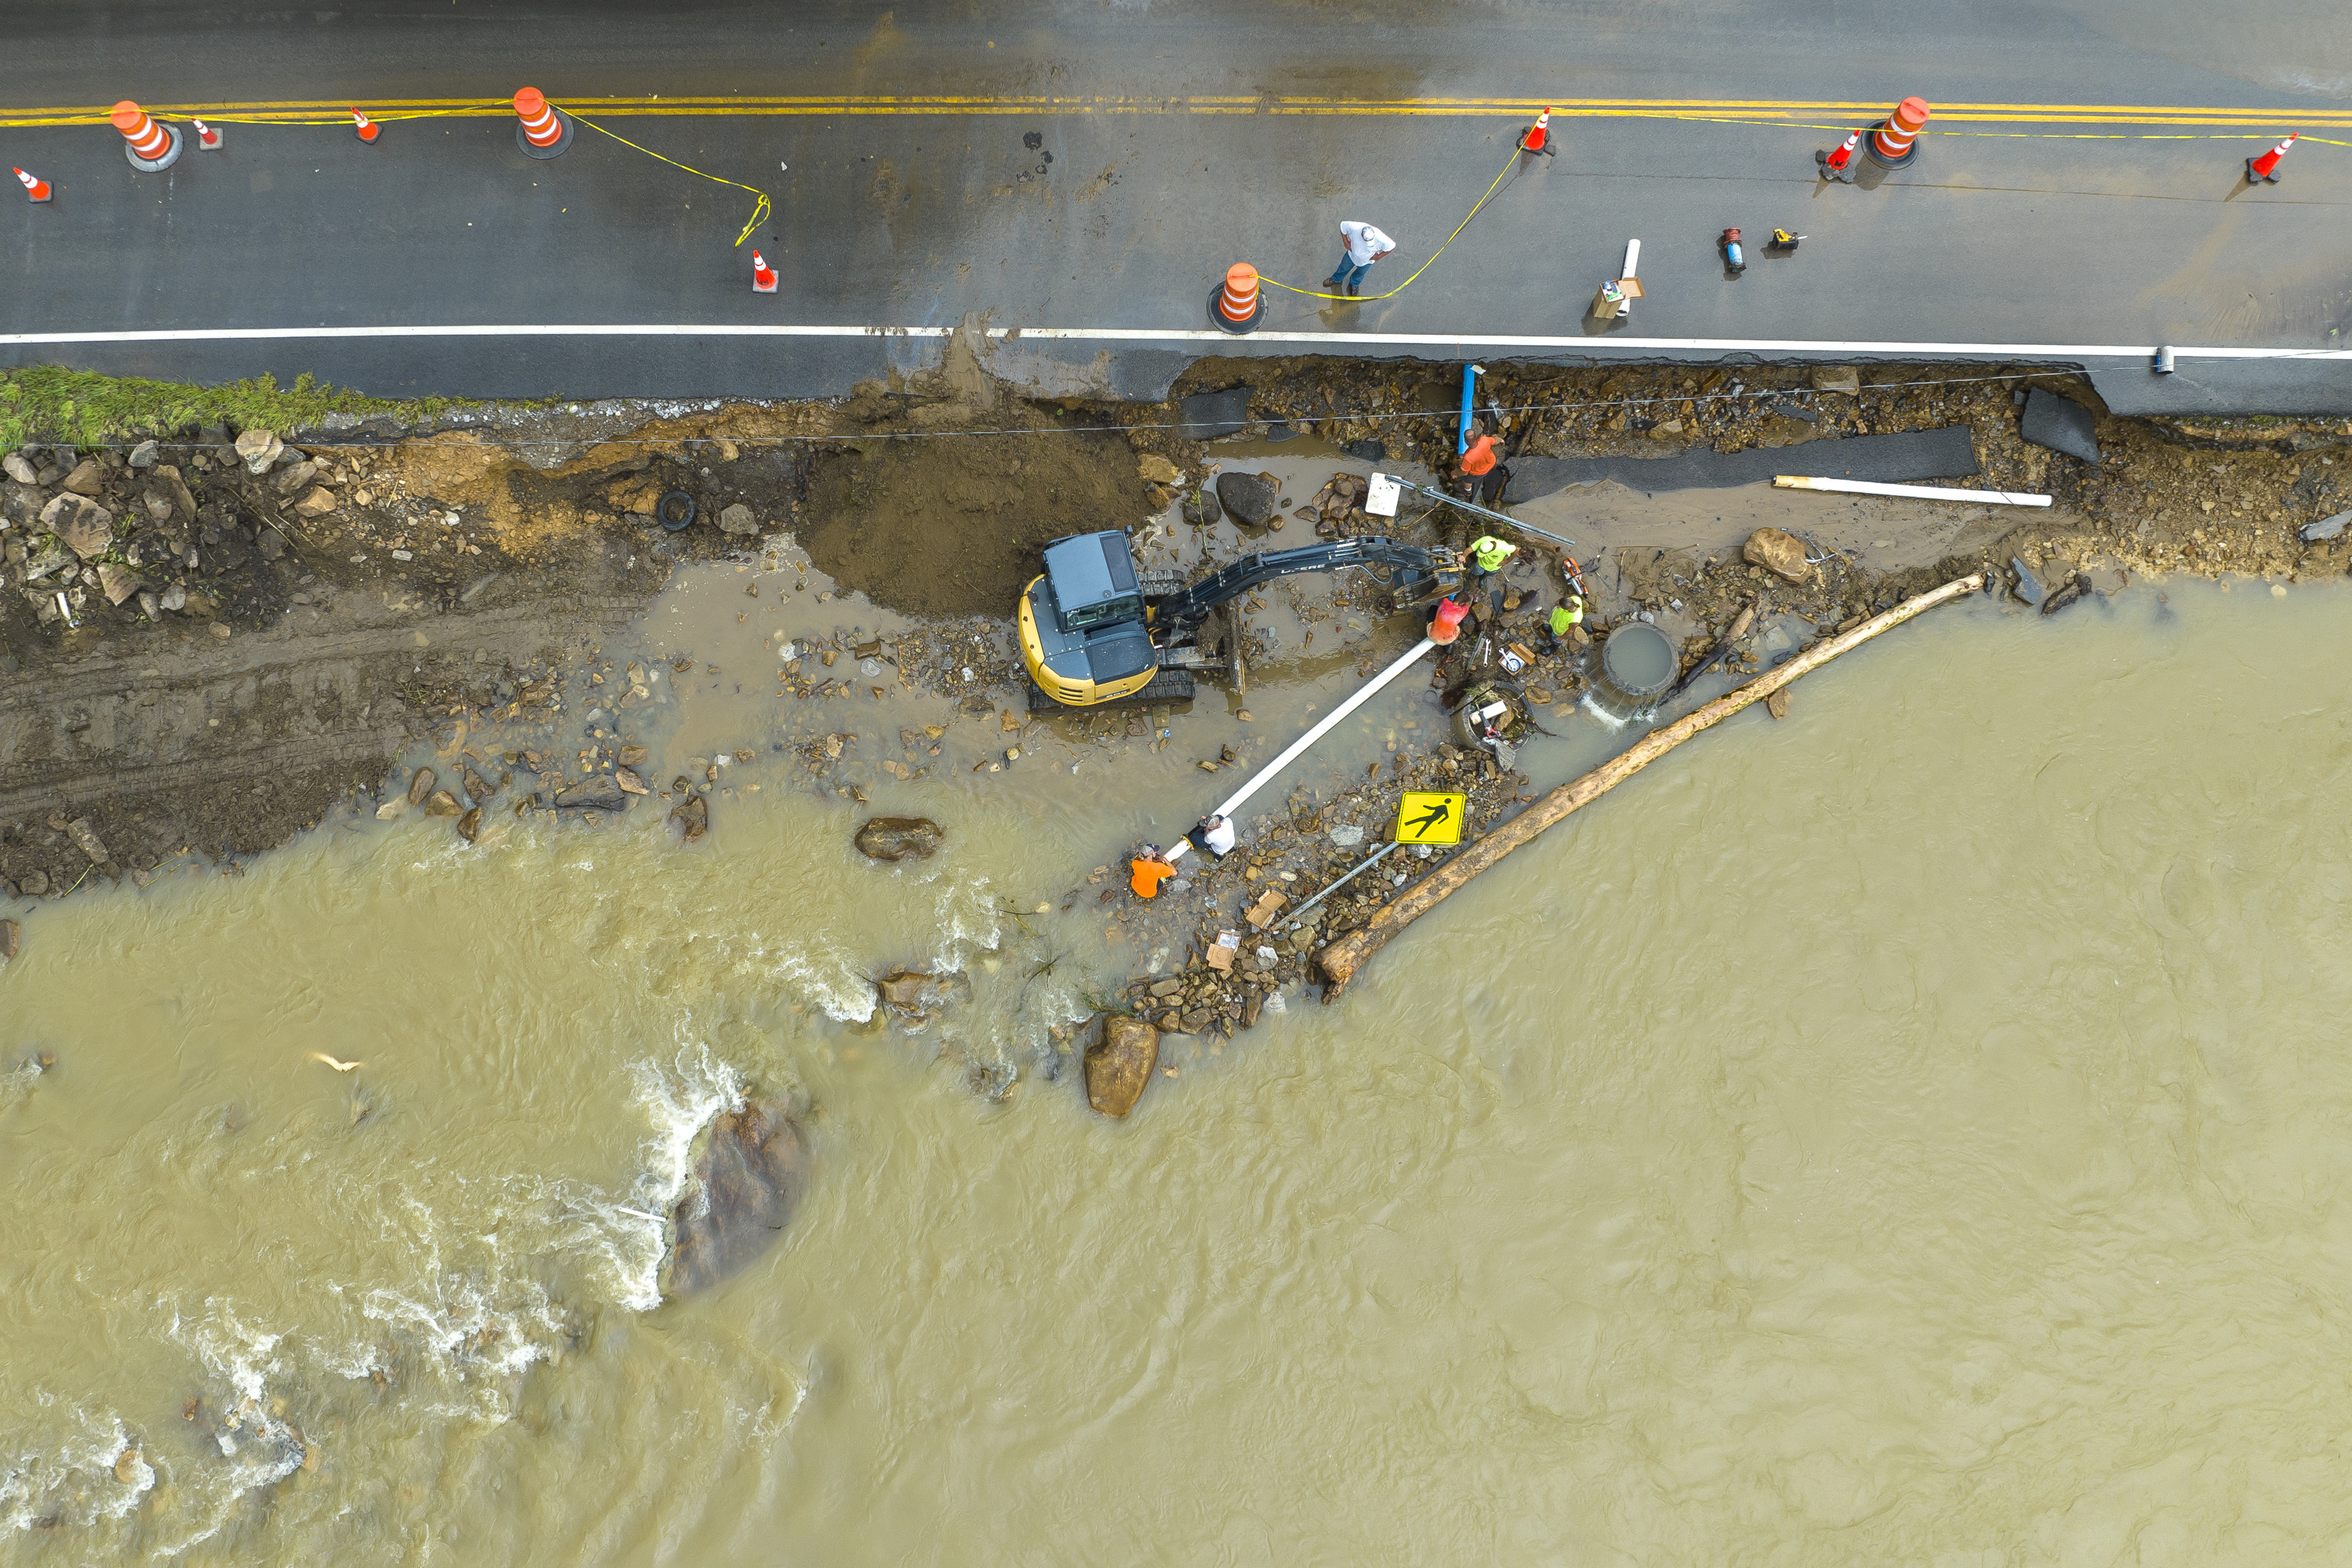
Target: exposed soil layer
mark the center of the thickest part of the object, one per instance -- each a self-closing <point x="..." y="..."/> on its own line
<point x="241" y="651"/>
<point x="944" y="525"/>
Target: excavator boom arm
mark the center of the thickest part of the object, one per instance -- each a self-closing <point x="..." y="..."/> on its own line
<point x="1193" y="605"/>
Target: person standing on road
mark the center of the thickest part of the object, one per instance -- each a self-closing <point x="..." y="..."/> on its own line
<point x="1361" y="245"/>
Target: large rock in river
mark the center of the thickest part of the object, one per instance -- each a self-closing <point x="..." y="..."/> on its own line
<point x="750" y="1166"/>
<point x="900" y="838"/>
<point x="1118" y="1066"/>
<point x="1253" y="501"/>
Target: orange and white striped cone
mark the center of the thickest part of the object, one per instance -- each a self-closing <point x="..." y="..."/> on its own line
<point x="1536" y="138"/>
<point x="35" y="189"/>
<point x="1894" y="140"/>
<point x="542" y="130"/>
<point x="1239" y="305"/>
<point x="207" y="139"/>
<point x="363" y="128"/>
<point x="149" y="143"/>
<point x="763" y="277"/>
<point x="2264" y="169"/>
<point x="1833" y="162"/>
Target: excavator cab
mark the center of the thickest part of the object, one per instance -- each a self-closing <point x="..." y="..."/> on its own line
<point x="1084" y="635"/>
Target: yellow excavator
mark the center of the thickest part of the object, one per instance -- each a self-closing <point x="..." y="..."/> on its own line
<point x="1095" y="630"/>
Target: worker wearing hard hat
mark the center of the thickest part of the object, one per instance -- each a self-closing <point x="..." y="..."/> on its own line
<point x="1488" y="556"/>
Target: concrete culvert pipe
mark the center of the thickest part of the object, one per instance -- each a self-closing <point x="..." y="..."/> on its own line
<point x="1637" y="664"/>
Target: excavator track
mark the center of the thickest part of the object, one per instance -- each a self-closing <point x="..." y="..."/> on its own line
<point x="1170" y="686"/>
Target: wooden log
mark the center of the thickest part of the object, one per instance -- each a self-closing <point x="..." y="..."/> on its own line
<point x="1341" y="960"/>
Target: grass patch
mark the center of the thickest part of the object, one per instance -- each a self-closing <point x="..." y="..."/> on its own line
<point x="56" y="406"/>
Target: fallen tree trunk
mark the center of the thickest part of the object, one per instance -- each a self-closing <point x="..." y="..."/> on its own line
<point x="1340" y="961"/>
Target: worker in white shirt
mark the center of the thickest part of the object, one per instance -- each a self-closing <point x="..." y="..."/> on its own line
<point x="1364" y="245"/>
<point x="1214" y="835"/>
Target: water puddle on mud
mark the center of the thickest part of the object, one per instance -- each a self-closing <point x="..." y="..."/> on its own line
<point x="1908" y="1129"/>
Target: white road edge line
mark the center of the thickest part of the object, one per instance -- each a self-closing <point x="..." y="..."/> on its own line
<point x="1012" y="336"/>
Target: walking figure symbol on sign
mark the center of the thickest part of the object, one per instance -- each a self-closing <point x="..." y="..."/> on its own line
<point x="1426" y="816"/>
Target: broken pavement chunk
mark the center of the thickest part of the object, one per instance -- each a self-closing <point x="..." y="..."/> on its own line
<point x="2059" y="424"/>
<point x="2028" y="586"/>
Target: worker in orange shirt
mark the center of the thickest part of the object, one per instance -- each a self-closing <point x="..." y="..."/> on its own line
<point x="1482" y="482"/>
<point x="1147" y="871"/>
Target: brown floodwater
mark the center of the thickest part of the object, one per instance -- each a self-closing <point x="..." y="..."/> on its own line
<point x="1916" y="1130"/>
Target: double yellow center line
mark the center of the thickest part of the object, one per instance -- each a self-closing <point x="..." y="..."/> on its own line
<point x="2266" y="121"/>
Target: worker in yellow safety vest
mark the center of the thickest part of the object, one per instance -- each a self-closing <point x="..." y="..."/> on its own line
<point x="1566" y="616"/>
<point x="1487" y="556"/>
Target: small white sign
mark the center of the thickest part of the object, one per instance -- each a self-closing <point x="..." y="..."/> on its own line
<point x="1380" y="498"/>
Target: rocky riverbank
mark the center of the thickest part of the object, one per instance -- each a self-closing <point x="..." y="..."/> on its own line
<point x="213" y="637"/>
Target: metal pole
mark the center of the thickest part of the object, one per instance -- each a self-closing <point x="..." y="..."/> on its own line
<point x="1363" y="695"/>
<point x="1376" y="857"/>
<point x="1496" y="516"/>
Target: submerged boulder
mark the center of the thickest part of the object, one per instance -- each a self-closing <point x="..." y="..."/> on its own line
<point x="900" y="838"/>
<point x="912" y="994"/>
<point x="600" y="792"/>
<point x="750" y="1166"/>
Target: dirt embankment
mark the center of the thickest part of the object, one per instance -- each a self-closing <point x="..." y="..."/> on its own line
<point x="205" y="649"/>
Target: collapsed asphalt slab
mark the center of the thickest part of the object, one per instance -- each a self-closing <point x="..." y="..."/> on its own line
<point x="1904" y="455"/>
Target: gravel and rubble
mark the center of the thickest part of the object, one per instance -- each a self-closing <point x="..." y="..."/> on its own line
<point x="212" y="639"/>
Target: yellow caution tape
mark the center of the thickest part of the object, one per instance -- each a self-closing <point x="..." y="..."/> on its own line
<point x="1424" y="266"/>
<point x="759" y="212"/>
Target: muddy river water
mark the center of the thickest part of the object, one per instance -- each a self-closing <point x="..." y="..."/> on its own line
<point x="1917" y="1130"/>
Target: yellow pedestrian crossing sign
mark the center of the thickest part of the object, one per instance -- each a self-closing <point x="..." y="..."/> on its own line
<point x="1427" y="816"/>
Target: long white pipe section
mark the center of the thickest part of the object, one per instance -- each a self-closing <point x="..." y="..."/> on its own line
<point x="1257" y="780"/>
<point x="1912" y="492"/>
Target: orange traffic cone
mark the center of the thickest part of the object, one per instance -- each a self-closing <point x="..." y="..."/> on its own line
<point x="1894" y="140"/>
<point x="763" y="277"/>
<point x="38" y="190"/>
<point x="366" y="130"/>
<point x="207" y="139"/>
<point x="1534" y="138"/>
<point x="149" y="144"/>
<point x="1239" y="305"/>
<point x="2264" y="169"/>
<point x="1833" y="164"/>
<point x="541" y="130"/>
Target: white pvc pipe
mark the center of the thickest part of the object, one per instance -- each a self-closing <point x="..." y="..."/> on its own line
<point x="1914" y="493"/>
<point x="1257" y="780"/>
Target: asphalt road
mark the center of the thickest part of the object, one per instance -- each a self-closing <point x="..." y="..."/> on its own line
<point x="907" y="156"/>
